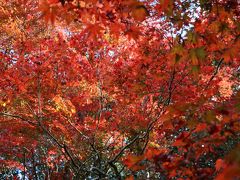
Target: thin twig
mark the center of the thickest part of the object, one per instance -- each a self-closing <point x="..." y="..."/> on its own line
<point x="215" y="73"/>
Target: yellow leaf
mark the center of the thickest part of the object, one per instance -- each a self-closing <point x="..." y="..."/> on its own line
<point x="64" y="105"/>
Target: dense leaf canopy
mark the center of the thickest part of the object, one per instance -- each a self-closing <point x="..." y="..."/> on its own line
<point x="120" y="89"/>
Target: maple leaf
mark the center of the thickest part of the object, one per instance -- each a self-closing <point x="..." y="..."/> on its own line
<point x="219" y="164"/>
<point x="107" y="92"/>
<point x="179" y="142"/>
<point x="230" y="172"/>
<point x="48" y="11"/>
<point x="132" y="161"/>
<point x="52" y="1"/>
<point x="197" y="54"/>
<point x="201" y="127"/>
<point x="139" y="13"/>
<point x="153" y="152"/>
<point x="130" y="178"/>
<point x="64" y="105"/>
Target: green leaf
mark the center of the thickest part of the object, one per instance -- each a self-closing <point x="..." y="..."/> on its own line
<point x="197" y="54"/>
<point x="177" y="57"/>
<point x="192" y="37"/>
<point x="200" y="53"/>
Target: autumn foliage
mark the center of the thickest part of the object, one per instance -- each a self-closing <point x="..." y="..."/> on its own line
<point x="120" y="89"/>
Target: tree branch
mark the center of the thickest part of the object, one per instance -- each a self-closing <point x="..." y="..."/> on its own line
<point x="123" y="149"/>
<point x="215" y="73"/>
<point x="18" y="117"/>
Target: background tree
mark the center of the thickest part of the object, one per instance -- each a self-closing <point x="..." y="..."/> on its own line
<point x="119" y="89"/>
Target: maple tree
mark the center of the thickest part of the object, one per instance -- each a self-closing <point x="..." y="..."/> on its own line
<point x="120" y="89"/>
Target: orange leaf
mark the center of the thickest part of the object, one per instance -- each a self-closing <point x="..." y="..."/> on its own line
<point x="139" y="13"/>
<point x="179" y="143"/>
<point x="200" y="127"/>
<point x="53" y="1"/>
<point x="151" y="152"/>
<point x="132" y="160"/>
<point x="231" y="172"/>
<point x="130" y="177"/>
<point x="219" y="164"/>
